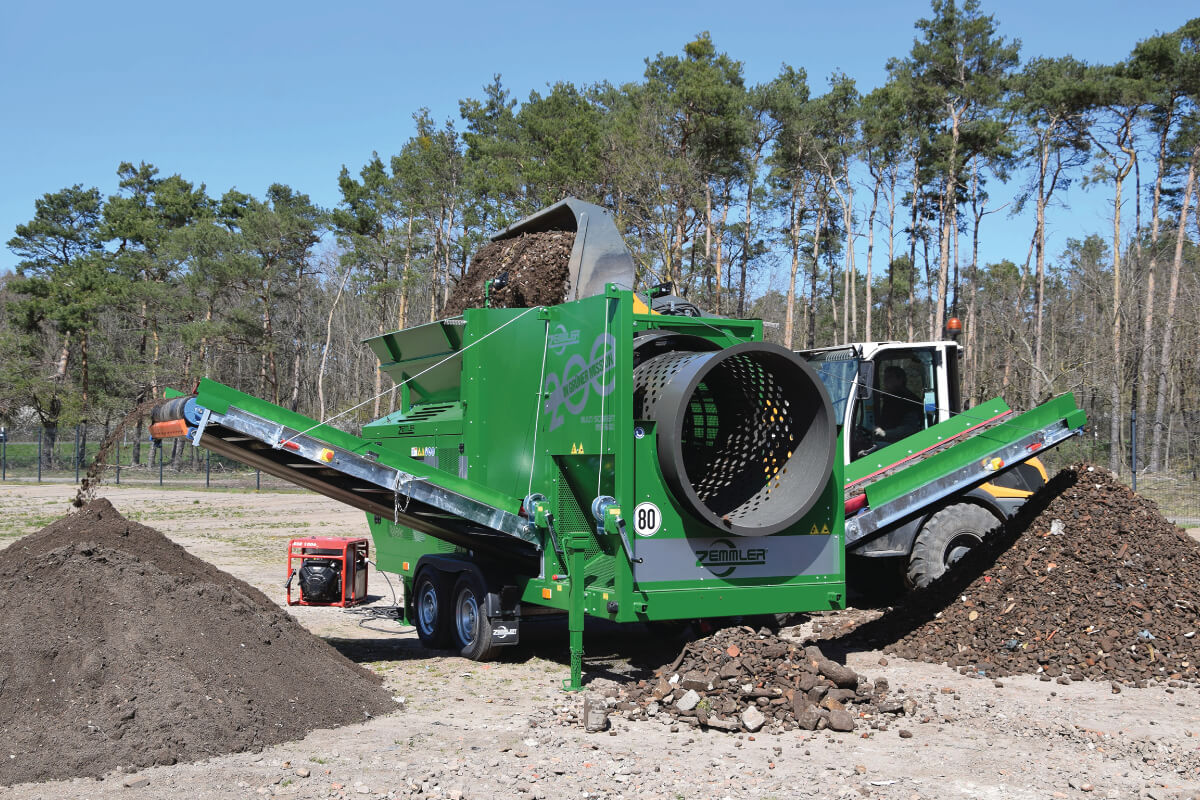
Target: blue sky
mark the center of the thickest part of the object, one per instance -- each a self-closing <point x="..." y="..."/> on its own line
<point x="251" y="93"/>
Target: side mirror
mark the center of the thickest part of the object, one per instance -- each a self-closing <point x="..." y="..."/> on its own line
<point x="866" y="380"/>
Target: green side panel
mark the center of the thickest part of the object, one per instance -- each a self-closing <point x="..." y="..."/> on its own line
<point x="426" y="419"/>
<point x="504" y="421"/>
<point x="396" y="545"/>
<point x="923" y="440"/>
<point x="1061" y="409"/>
<point x="588" y="372"/>
<point x="219" y="398"/>
<point x="732" y="600"/>
<point x="171" y="394"/>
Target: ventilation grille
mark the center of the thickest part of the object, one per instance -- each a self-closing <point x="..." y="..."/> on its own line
<point x="599" y="568"/>
<point x="426" y="410"/>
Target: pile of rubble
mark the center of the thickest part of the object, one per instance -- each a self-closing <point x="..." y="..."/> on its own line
<point x="1088" y="582"/>
<point x="738" y="679"/>
<point x="533" y="269"/>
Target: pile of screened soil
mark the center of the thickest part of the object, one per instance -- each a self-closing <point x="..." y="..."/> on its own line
<point x="1088" y="581"/>
<point x="120" y="649"/>
<point x="739" y="679"/>
<point x="536" y="264"/>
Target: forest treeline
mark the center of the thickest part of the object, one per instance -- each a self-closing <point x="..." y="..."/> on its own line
<point x="834" y="212"/>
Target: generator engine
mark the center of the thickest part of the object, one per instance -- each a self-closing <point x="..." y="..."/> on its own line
<point x="328" y="571"/>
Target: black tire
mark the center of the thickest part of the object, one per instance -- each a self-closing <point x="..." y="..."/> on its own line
<point x="431" y="609"/>
<point x="944" y="539"/>
<point x="471" y="626"/>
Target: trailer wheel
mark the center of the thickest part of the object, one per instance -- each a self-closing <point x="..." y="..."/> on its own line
<point x="944" y="539"/>
<point x="472" y="628"/>
<point x="431" y="598"/>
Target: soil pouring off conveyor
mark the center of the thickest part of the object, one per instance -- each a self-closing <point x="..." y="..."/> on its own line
<point x="591" y="457"/>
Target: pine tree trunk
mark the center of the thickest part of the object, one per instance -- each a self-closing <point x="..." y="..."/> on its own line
<point x="294" y="401"/>
<point x="888" y="329"/>
<point x="741" y="307"/>
<point x="794" y="236"/>
<point x="1144" y="365"/>
<point x="850" y="325"/>
<point x="378" y="381"/>
<point x="816" y="273"/>
<point x="266" y="337"/>
<point x="720" y="251"/>
<point x="1114" y="432"/>
<point x="868" y="333"/>
<point x="912" y="251"/>
<point x="970" y="388"/>
<point x="402" y="312"/>
<point x="64" y="358"/>
<point x="1164" y="361"/>
<point x="446" y="252"/>
<point x="1039" y="292"/>
<point x="707" y="228"/>
<point x="938" y="318"/>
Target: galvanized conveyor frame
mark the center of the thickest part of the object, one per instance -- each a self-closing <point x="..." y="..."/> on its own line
<point x="354" y="472"/>
<point x="975" y="460"/>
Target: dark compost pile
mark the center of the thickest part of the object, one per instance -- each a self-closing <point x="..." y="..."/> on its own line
<point x="1089" y="581"/>
<point x="536" y="265"/>
<point x="118" y="648"/>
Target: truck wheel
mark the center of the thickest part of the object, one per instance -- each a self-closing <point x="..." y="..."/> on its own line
<point x="472" y="628"/>
<point x="944" y="539"/>
<point x="431" y="599"/>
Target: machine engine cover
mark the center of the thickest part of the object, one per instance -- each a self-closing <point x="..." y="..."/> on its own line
<point x="320" y="580"/>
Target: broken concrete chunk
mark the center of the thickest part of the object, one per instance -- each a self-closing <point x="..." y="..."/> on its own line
<point x="689" y="701"/>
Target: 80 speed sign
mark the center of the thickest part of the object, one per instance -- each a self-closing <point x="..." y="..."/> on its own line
<point x="647" y="519"/>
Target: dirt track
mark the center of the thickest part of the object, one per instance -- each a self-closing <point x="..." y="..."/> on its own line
<point x="500" y="730"/>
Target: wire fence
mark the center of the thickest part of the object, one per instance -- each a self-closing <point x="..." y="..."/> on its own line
<point x="1175" y="488"/>
<point x="43" y="455"/>
<point x="63" y="455"/>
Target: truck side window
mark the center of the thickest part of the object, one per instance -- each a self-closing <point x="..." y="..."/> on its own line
<point x="907" y="399"/>
<point x="838" y="377"/>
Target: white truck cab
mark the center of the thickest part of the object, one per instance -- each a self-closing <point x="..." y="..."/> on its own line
<point x="884" y="392"/>
<point x="924" y="389"/>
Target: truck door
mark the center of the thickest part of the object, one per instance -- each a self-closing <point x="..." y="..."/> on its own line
<point x="907" y="396"/>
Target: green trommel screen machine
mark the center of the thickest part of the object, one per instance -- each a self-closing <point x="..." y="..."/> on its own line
<point x="594" y="457"/>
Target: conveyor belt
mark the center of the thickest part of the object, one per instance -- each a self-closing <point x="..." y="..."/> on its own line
<point x="913" y="457"/>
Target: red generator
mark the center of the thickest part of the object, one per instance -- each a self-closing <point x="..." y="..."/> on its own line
<point x="332" y="571"/>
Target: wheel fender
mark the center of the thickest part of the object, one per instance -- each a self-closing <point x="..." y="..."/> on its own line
<point x="449" y="564"/>
<point x="899" y="540"/>
<point x="979" y="497"/>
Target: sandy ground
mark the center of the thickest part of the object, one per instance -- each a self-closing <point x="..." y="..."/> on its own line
<point x="469" y="730"/>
